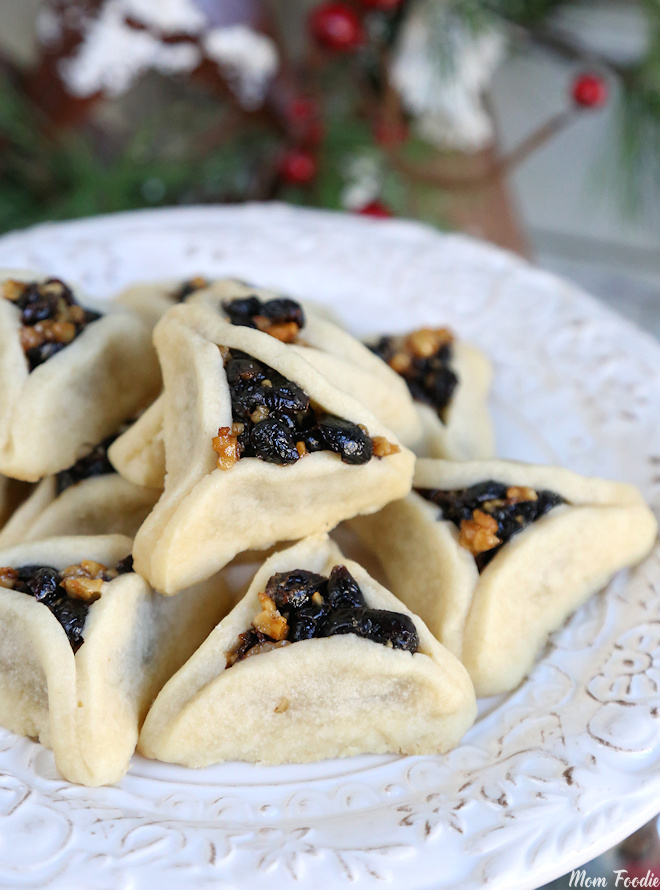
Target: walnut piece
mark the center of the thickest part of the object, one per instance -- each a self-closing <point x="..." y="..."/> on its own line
<point x="427" y="341"/>
<point x="226" y="447"/>
<point x="266" y="646"/>
<point x="7" y="577"/>
<point x="269" y="621"/>
<point x="517" y="493"/>
<point x="383" y="447"/>
<point x="479" y="533"/>
<point x="12" y="289"/>
<point x="86" y="589"/>
<point x="285" y="331"/>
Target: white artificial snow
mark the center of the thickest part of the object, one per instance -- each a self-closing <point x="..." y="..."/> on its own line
<point x="247" y="59"/>
<point x="364" y="181"/>
<point x="445" y="95"/>
<point x="167" y="16"/>
<point x="114" y="54"/>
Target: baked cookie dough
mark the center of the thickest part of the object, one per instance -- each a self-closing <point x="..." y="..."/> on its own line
<point x="449" y="381"/>
<point x="70" y="373"/>
<point x="385" y="686"/>
<point x="290" y="481"/>
<point x="89" y="498"/>
<point x="81" y="657"/>
<point x="344" y="360"/>
<point x="495" y="555"/>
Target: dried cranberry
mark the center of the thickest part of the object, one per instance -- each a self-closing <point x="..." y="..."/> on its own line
<point x="44" y="585"/>
<point x="273" y="442"/>
<point x="242" y="371"/>
<point x="288" y="398"/>
<point x="95" y="463"/>
<point x="377" y="625"/>
<point x="307" y="621"/>
<point x="283" y="310"/>
<point x="242" y="311"/>
<point x="346" y="439"/>
<point x="343" y="589"/>
<point x="125" y="565"/>
<point x="294" y="588"/>
<point x="71" y="614"/>
<point x="37" y="355"/>
<point x="39" y="310"/>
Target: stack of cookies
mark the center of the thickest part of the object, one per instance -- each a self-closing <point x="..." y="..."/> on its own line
<point x="150" y="444"/>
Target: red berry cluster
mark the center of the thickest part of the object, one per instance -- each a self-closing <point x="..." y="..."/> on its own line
<point x="336" y="27"/>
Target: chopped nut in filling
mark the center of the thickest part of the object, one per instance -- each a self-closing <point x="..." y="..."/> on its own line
<point x="68" y="593"/>
<point x="50" y="317"/>
<point x="188" y="287"/>
<point x="282" y="318"/>
<point x="300" y="605"/>
<point x="423" y="359"/>
<point x="489" y="513"/>
<point x="274" y="420"/>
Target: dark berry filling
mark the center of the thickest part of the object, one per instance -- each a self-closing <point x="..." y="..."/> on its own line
<point x="95" y="463"/>
<point x="188" y="287"/>
<point x="274" y="420"/>
<point x="489" y="513"/>
<point x="50" y="317"/>
<point x="69" y="593"/>
<point x="281" y="317"/>
<point x="423" y="359"/>
<point x="301" y="605"/>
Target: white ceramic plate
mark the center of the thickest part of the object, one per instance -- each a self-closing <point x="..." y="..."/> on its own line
<point x="549" y="776"/>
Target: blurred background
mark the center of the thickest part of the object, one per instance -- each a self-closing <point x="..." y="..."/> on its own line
<point x="532" y="123"/>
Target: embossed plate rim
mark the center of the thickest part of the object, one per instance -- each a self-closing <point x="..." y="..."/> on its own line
<point x="561" y="769"/>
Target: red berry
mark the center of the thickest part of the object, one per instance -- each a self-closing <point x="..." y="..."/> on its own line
<point x="297" y="167"/>
<point x="377" y="209"/>
<point x="383" y="5"/>
<point x="590" y="91"/>
<point x="336" y="26"/>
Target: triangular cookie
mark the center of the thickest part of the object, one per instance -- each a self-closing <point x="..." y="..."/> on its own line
<point x="342" y="358"/>
<point x="492" y="585"/>
<point x="89" y="498"/>
<point x="80" y="676"/>
<point x="449" y="380"/>
<point x="206" y="514"/>
<point x="69" y="374"/>
<point x="390" y="687"/>
<point x="151" y="299"/>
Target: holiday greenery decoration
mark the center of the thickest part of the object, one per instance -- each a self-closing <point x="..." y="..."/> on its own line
<point x="350" y="104"/>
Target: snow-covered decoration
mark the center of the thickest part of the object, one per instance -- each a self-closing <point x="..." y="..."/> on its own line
<point x="364" y="181"/>
<point x="126" y="38"/>
<point x="114" y="53"/>
<point x="167" y="16"/>
<point x="247" y="59"/>
<point x="441" y="82"/>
